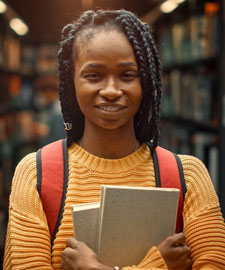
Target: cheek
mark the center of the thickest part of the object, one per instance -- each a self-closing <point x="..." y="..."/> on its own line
<point x="81" y="100"/>
<point x="80" y="94"/>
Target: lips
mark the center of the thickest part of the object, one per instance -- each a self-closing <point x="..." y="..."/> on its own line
<point x="110" y="107"/>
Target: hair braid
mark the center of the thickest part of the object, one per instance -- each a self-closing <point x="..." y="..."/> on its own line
<point x="127" y="24"/>
<point x="155" y="121"/>
<point x="147" y="62"/>
<point x="153" y="64"/>
<point x="69" y="105"/>
<point x="63" y="76"/>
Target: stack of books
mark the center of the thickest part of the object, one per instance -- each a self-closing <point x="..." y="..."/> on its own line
<point x="126" y="223"/>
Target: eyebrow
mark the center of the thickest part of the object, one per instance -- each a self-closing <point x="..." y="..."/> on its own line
<point x="94" y="65"/>
<point x="127" y="64"/>
<point x="98" y="65"/>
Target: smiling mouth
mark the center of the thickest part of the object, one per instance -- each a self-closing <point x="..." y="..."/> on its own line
<point x="108" y="108"/>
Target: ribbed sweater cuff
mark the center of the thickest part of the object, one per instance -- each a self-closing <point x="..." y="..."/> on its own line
<point x="153" y="260"/>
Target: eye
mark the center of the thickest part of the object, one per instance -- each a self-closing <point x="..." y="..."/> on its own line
<point x="93" y="76"/>
<point x="129" y="75"/>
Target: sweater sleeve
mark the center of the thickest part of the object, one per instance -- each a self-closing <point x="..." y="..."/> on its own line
<point x="203" y="222"/>
<point x="28" y="240"/>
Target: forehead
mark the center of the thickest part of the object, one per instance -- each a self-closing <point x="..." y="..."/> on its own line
<point x="104" y="43"/>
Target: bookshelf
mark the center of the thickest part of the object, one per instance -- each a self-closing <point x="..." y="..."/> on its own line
<point x="222" y="110"/>
<point x="23" y="70"/>
<point x="191" y="43"/>
<point x="22" y="99"/>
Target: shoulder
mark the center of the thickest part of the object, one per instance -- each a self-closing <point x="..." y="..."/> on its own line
<point x="24" y="181"/>
<point x="27" y="163"/>
<point x="25" y="172"/>
<point x="194" y="169"/>
<point x="198" y="182"/>
<point x="25" y="202"/>
<point x="192" y="163"/>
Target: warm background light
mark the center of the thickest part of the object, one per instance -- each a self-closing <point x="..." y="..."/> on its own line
<point x="18" y="26"/>
<point x="168" y="6"/>
<point x="180" y="1"/>
<point x="3" y="7"/>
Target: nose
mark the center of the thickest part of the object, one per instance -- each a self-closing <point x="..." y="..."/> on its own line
<point x="111" y="90"/>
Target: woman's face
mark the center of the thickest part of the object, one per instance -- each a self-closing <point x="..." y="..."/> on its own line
<point x="107" y="82"/>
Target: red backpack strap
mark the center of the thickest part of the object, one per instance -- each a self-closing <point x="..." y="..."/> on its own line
<point x="52" y="179"/>
<point x="169" y="174"/>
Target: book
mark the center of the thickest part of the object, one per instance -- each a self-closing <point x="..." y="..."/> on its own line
<point x="11" y="53"/>
<point x="127" y="222"/>
<point x="28" y="59"/>
<point x="1" y="51"/>
<point x="132" y="220"/>
<point x="85" y="220"/>
<point x="214" y="166"/>
<point x="46" y="61"/>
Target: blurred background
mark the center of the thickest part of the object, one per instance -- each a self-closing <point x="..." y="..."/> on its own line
<point x="190" y="37"/>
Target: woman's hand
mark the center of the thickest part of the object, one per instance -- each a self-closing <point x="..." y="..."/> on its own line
<point x="175" y="253"/>
<point x="77" y="255"/>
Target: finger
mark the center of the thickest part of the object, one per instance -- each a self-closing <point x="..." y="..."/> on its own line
<point x="64" y="266"/>
<point x="178" y="239"/>
<point x="67" y="253"/>
<point x="187" y="251"/>
<point x="182" y="251"/>
<point x="72" y="243"/>
<point x="187" y="265"/>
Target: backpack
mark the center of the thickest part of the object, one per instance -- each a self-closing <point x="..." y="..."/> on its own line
<point x="52" y="179"/>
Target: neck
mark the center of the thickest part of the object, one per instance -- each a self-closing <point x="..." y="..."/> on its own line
<point x="109" y="144"/>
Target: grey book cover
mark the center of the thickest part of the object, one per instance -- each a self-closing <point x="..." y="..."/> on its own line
<point x="85" y="220"/>
<point x="132" y="220"/>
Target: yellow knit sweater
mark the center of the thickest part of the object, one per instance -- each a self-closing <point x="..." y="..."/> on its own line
<point x="28" y="241"/>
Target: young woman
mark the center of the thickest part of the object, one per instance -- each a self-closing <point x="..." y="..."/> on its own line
<point x="110" y="89"/>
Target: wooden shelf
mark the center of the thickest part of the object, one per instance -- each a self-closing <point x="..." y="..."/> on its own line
<point x="191" y="124"/>
<point x="211" y="61"/>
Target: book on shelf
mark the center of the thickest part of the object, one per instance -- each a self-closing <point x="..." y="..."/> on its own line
<point x="198" y="35"/>
<point x="166" y="47"/>
<point x="202" y="98"/>
<point x="11" y="54"/>
<point x="177" y="138"/>
<point x="128" y="222"/>
<point x="1" y="50"/>
<point x="214" y="28"/>
<point x="205" y="147"/>
<point x="193" y="39"/>
<point x="15" y="82"/>
<point x="26" y="96"/>
<point x="177" y="38"/>
<point x="175" y="90"/>
<point x="191" y="94"/>
<point x="46" y="59"/>
<point x="28" y="59"/>
<point x="214" y="166"/>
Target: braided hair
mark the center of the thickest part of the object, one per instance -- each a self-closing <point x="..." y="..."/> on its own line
<point x="146" y="120"/>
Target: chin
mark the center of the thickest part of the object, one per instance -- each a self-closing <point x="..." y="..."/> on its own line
<point x="114" y="126"/>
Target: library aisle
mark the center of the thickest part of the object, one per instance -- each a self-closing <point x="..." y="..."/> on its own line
<point x="191" y="42"/>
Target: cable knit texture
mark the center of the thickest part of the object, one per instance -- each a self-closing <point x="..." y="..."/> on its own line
<point x="28" y="240"/>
